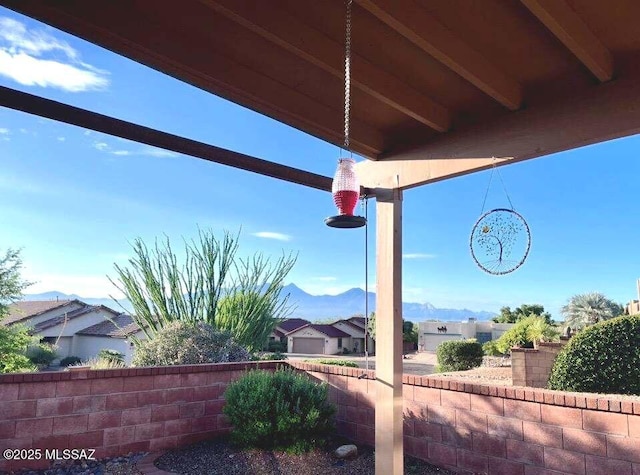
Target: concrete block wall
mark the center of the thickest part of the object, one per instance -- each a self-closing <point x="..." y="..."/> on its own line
<point x="496" y="430"/>
<point x="114" y="411"/>
<point x="532" y="367"/>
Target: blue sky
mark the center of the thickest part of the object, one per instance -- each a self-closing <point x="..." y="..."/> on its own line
<point x="73" y="199"/>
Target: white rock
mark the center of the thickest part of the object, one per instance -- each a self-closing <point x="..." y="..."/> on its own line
<point x="346" y="451"/>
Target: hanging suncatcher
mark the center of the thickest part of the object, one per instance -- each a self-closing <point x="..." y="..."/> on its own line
<point x="500" y="239"/>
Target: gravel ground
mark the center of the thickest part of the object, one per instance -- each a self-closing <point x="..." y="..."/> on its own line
<point x="125" y="465"/>
<point x="217" y="457"/>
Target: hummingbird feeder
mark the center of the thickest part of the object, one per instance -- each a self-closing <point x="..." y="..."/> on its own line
<point x="346" y="192"/>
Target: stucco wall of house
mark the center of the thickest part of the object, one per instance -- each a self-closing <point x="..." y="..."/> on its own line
<point x="77" y="324"/>
<point x="429" y="337"/>
<point x="86" y="346"/>
<point x="56" y="312"/>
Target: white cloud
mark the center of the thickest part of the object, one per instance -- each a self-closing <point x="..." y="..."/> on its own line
<point x="4" y="131"/>
<point x="418" y="255"/>
<point x="325" y="279"/>
<point x="271" y="235"/>
<point x="21" y="59"/>
<point x="146" y="151"/>
<point x="61" y="139"/>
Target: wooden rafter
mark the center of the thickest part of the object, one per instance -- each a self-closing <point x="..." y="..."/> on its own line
<point x="42" y="107"/>
<point x="569" y="28"/>
<point x="412" y="22"/>
<point x="225" y="76"/>
<point x="605" y="112"/>
<point x="286" y="31"/>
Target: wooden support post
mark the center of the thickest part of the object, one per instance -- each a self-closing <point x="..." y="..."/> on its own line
<point x="389" y="402"/>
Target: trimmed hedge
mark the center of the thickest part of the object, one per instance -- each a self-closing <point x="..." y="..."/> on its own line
<point x="459" y="355"/>
<point x="281" y="410"/>
<point x="347" y="363"/>
<point x="603" y="358"/>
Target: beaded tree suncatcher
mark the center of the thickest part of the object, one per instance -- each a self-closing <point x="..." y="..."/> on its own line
<point x="500" y="239"/>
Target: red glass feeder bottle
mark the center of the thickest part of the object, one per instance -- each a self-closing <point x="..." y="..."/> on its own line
<point x="346" y="191"/>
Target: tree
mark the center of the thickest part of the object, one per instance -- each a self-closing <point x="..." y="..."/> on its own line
<point x="211" y="285"/>
<point x="409" y="331"/>
<point x="372" y="325"/>
<point x="11" y="282"/>
<point x="523" y="311"/>
<point x="583" y="310"/>
<point x="15" y="339"/>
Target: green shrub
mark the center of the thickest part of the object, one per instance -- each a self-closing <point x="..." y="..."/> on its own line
<point x="69" y="361"/>
<point x="101" y="363"/>
<point x="277" y="356"/>
<point x="281" y="410"/>
<point x="41" y="354"/>
<point x="350" y="364"/>
<point x="525" y="332"/>
<point x="111" y="355"/>
<point x="276" y="346"/>
<point x="14" y="341"/>
<point x="188" y="343"/>
<point x="490" y="348"/>
<point x="603" y="358"/>
<point x="459" y="355"/>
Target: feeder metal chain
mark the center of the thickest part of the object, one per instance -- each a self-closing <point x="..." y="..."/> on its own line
<point x="347" y="75"/>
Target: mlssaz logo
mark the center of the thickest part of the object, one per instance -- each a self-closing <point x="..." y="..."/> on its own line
<point x="70" y="454"/>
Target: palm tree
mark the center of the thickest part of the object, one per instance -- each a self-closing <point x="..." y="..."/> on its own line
<point x="586" y="309"/>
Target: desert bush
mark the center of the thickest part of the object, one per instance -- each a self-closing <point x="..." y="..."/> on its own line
<point x="277" y="356"/>
<point x="41" y="354"/>
<point x="277" y="346"/>
<point x="525" y="332"/>
<point x="188" y="343"/>
<point x="347" y="363"/>
<point x="280" y="410"/>
<point x="459" y="355"/>
<point x="101" y="363"/>
<point x="603" y="358"/>
<point x="69" y="361"/>
<point x="14" y="341"/>
<point x="111" y="355"/>
<point x="490" y="348"/>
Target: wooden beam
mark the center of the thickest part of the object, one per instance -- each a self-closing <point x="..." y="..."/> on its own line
<point x="389" y="401"/>
<point x="604" y="112"/>
<point x="42" y="107"/>
<point x="569" y="28"/>
<point x="224" y="76"/>
<point x="417" y="26"/>
<point x="405" y="174"/>
<point x="283" y="29"/>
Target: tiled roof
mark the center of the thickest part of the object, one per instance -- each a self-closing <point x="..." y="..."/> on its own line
<point x="328" y="330"/>
<point x="358" y="321"/>
<point x="118" y="327"/>
<point x="52" y="322"/>
<point x="22" y="310"/>
<point x="291" y="324"/>
<point x="351" y="324"/>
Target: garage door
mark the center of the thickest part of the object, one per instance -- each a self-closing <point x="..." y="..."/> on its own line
<point x="309" y="346"/>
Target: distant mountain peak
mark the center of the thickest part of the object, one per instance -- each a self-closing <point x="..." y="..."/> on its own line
<point x="314" y="307"/>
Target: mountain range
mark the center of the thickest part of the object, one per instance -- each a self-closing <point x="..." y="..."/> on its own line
<point x="315" y="307"/>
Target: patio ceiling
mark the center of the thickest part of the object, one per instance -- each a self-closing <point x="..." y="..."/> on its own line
<point x="456" y="82"/>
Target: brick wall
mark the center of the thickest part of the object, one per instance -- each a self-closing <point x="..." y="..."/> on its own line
<point x="114" y="411"/>
<point x="469" y="428"/>
<point x="532" y="367"/>
<point x="478" y="429"/>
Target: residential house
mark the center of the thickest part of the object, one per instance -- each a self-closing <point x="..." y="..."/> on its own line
<point x="356" y="329"/>
<point x="432" y="333"/>
<point x="284" y="327"/>
<point x="318" y="339"/>
<point x="76" y="328"/>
